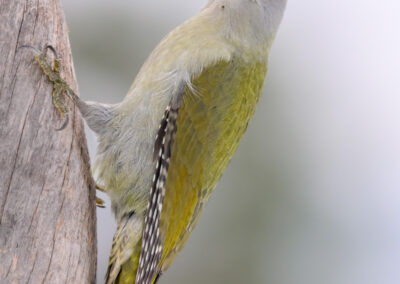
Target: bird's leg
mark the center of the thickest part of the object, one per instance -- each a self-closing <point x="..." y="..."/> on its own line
<point x="60" y="86"/>
<point x="96" y="115"/>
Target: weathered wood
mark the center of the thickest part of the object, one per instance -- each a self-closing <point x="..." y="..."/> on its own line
<point x="47" y="198"/>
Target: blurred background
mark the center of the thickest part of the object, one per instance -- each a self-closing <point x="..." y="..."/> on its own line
<point x="313" y="193"/>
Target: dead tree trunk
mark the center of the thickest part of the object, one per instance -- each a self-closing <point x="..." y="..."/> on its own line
<point x="47" y="198"/>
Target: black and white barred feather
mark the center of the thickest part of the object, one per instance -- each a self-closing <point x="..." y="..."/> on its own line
<point x="152" y="244"/>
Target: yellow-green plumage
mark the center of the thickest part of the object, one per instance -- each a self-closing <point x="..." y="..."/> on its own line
<point x="210" y="125"/>
<point x="209" y="129"/>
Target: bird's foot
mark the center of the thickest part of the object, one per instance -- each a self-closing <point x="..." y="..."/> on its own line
<point x="99" y="188"/>
<point x="60" y="86"/>
<point x="100" y="202"/>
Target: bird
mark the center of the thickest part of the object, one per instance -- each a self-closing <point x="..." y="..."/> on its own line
<point x="163" y="148"/>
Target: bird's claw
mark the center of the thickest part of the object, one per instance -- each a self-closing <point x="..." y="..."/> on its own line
<point x="100" y="202"/>
<point x="65" y="123"/>
<point x="60" y="86"/>
<point x="99" y="188"/>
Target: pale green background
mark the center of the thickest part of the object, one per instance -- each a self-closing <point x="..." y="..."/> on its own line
<point x="312" y="196"/>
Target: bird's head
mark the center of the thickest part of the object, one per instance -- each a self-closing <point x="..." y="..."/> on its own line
<point x="250" y="20"/>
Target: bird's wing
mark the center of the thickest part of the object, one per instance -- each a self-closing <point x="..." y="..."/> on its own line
<point x="210" y="125"/>
<point x="152" y="243"/>
<point x="140" y="264"/>
<point x="197" y="137"/>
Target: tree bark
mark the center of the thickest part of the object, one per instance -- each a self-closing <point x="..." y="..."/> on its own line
<point x="47" y="197"/>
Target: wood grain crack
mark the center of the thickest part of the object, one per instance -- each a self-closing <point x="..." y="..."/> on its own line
<point x="14" y="164"/>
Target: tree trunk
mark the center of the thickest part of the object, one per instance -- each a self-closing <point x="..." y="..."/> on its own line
<point x="47" y="197"/>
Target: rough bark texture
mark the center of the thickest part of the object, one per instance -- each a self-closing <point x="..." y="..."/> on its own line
<point x="47" y="198"/>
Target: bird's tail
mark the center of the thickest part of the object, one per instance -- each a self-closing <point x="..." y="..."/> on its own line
<point x="125" y="251"/>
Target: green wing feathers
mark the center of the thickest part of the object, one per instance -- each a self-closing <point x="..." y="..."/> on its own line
<point x="210" y="125"/>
